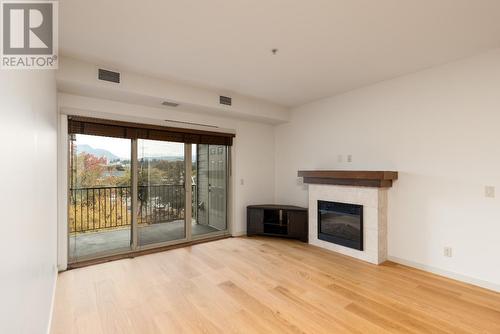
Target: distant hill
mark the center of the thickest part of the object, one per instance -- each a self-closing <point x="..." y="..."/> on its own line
<point x="168" y="158"/>
<point x="101" y="153"/>
<point x="98" y="152"/>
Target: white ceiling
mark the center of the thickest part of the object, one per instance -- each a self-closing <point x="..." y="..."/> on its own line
<point x="325" y="46"/>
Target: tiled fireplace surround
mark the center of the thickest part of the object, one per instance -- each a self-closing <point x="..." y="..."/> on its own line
<point x="361" y="187"/>
<point x="374" y="202"/>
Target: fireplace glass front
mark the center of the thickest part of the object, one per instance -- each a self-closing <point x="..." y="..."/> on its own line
<point x="341" y="223"/>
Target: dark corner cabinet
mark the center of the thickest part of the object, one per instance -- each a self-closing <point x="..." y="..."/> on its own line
<point x="278" y="220"/>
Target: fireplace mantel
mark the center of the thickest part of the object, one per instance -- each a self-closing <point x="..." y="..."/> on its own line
<point x="378" y="179"/>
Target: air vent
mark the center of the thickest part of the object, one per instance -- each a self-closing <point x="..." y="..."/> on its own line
<point x="191" y="123"/>
<point x="225" y="100"/>
<point x="169" y="104"/>
<point x="110" y="76"/>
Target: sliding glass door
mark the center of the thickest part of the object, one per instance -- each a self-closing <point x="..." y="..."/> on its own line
<point x="99" y="213"/>
<point x="161" y="192"/>
<point x="210" y="173"/>
<point x="127" y="195"/>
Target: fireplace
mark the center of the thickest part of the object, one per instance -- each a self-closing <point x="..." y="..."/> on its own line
<point x="367" y="189"/>
<point x="341" y="224"/>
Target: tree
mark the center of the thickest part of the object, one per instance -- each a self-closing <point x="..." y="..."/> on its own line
<point x="87" y="170"/>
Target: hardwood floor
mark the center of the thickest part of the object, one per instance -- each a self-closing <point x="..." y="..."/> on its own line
<point x="264" y="285"/>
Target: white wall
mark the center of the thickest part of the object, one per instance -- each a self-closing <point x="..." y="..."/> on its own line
<point x="440" y="129"/>
<point x="28" y="148"/>
<point x="253" y="148"/>
<point x="138" y="99"/>
<point x="80" y="77"/>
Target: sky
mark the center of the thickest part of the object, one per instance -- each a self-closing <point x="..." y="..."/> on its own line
<point x="121" y="147"/>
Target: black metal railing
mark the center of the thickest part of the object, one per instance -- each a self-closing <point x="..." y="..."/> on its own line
<point x="100" y="208"/>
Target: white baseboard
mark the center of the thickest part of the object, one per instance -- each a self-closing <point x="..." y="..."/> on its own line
<point x="449" y="274"/>
<point x="51" y="311"/>
<point x="239" y="233"/>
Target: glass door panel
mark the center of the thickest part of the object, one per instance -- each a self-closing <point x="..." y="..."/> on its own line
<point x="112" y="212"/>
<point x="99" y="213"/>
<point x="209" y="189"/>
<point x="161" y="192"/>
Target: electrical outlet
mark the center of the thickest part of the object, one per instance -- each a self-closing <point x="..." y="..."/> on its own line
<point x="349" y="158"/>
<point x="339" y="158"/>
<point x="242" y="182"/>
<point x="489" y="191"/>
<point x="448" y="252"/>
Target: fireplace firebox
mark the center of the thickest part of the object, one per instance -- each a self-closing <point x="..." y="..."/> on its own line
<point x="341" y="223"/>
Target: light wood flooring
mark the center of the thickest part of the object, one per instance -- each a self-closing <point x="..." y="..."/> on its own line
<point x="264" y="285"/>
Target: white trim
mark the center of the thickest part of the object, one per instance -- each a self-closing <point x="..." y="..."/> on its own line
<point x="52" y="303"/>
<point x="62" y="194"/>
<point x="448" y="274"/>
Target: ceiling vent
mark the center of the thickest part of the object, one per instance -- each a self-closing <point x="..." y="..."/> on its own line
<point x="110" y="76"/>
<point x="169" y="104"/>
<point x="225" y="100"/>
<point x="191" y="123"/>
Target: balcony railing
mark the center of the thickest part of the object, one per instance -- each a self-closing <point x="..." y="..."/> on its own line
<point x="101" y="208"/>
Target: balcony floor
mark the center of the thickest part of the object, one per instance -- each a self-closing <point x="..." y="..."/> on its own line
<point x="88" y="244"/>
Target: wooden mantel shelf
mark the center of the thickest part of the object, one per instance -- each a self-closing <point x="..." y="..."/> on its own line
<point x="360" y="178"/>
